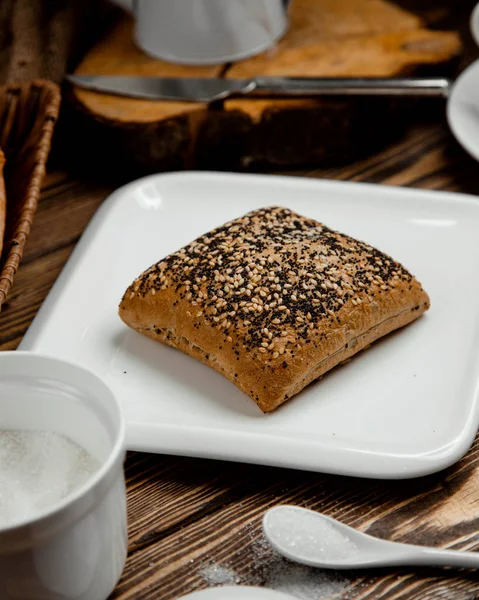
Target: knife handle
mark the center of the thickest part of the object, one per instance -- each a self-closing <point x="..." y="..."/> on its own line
<point x="362" y="86"/>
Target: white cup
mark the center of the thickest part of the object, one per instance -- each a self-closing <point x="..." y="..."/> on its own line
<point x="77" y="549"/>
<point x="474" y="23"/>
<point x="201" y="32"/>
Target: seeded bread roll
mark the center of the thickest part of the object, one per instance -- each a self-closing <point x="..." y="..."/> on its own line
<point x="3" y="202"/>
<point x="273" y="300"/>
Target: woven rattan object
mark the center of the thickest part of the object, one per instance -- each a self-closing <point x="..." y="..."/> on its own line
<point x="3" y="200"/>
<point x="28" y="113"/>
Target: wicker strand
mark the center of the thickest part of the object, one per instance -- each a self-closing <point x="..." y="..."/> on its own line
<point x="28" y="113"/>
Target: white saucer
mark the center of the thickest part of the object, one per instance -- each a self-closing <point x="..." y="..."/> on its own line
<point x="463" y="109"/>
<point x="237" y="593"/>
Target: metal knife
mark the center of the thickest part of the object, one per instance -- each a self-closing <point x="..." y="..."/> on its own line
<point x="188" y="89"/>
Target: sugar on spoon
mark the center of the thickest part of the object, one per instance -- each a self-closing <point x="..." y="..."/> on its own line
<point x="313" y="539"/>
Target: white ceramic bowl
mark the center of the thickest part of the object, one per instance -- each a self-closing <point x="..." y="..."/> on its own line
<point x="77" y="549"/>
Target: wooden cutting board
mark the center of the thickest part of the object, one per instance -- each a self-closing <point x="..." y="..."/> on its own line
<point x="326" y="38"/>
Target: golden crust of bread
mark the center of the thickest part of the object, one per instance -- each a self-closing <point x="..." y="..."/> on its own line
<point x="273" y="300"/>
<point x="3" y="202"/>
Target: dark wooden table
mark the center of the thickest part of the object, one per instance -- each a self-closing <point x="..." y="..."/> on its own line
<point x="192" y="521"/>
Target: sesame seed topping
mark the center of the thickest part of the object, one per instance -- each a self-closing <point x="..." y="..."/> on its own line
<point x="287" y="274"/>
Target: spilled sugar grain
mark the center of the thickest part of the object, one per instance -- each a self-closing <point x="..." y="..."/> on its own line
<point x="215" y="574"/>
<point x="38" y="469"/>
<point x="270" y="570"/>
<point x="302" y="582"/>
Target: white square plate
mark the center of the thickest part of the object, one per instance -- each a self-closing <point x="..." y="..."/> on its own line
<point x="407" y="406"/>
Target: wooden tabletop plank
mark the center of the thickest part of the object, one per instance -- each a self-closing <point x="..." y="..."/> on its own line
<point x="440" y="510"/>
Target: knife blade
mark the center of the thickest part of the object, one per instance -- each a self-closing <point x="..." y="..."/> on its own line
<point x="187" y="89"/>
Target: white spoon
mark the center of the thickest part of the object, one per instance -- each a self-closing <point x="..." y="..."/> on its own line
<point x="316" y="540"/>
